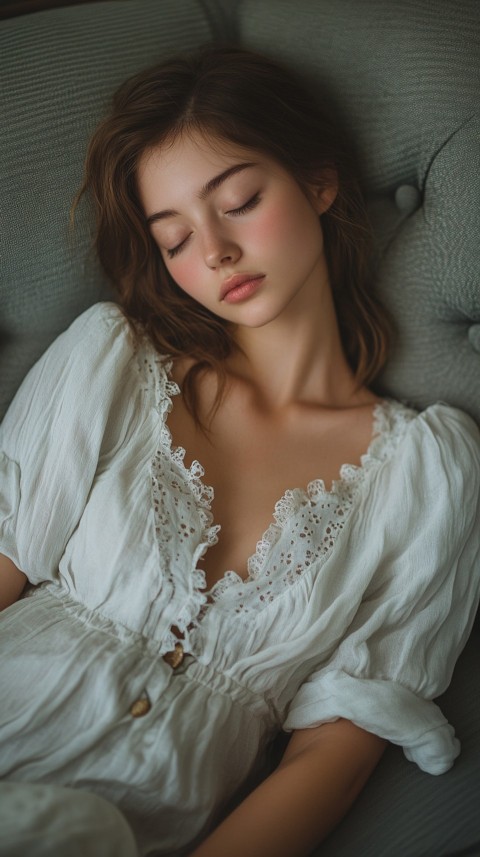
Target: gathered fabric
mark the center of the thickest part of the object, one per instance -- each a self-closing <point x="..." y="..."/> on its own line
<point x="357" y="603"/>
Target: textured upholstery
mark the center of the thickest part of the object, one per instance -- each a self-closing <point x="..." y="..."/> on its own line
<point x="404" y="77"/>
<point x="58" y="70"/>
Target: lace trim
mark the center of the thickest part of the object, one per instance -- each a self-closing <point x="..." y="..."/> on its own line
<point x="181" y="500"/>
<point x="314" y="516"/>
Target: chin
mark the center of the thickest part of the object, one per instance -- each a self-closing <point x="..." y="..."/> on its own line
<point x="256" y="321"/>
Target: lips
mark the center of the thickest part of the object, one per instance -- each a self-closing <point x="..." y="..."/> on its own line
<point x="237" y="280"/>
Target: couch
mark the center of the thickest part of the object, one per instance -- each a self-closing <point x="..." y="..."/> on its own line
<point x="404" y="77"/>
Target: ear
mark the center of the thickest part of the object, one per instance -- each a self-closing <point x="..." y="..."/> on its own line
<point x="324" y="193"/>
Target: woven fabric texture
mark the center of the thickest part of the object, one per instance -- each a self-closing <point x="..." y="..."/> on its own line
<point x="404" y="78"/>
<point x="58" y="70"/>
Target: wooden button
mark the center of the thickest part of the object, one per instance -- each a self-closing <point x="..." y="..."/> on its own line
<point x="175" y="657"/>
<point x="140" y="708"/>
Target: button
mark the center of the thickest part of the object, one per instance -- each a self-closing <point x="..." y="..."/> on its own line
<point x="175" y="657"/>
<point x="407" y="198"/>
<point x="141" y="707"/>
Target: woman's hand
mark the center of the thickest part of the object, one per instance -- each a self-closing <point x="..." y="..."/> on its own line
<point x="321" y="773"/>
<point x="12" y="582"/>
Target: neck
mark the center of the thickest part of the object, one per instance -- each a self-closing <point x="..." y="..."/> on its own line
<point x="298" y="357"/>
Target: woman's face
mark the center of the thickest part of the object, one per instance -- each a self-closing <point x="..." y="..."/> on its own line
<point x="235" y="230"/>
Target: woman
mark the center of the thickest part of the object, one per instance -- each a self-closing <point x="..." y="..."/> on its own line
<point x="174" y="639"/>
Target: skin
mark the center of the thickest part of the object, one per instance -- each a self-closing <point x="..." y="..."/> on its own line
<point x="322" y="772"/>
<point x="213" y="237"/>
<point x="288" y="330"/>
<point x="13" y="582"/>
<point x="292" y="413"/>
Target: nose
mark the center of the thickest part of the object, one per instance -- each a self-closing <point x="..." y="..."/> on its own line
<point x="220" y="250"/>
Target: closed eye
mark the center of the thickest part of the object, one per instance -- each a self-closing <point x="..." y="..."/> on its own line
<point x="251" y="203"/>
<point x="174" y="250"/>
<point x="235" y="212"/>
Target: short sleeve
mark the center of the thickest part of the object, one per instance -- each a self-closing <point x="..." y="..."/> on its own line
<point x="421" y="520"/>
<point x="66" y="415"/>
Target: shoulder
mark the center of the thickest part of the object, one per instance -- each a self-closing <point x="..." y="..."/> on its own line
<point x="448" y="434"/>
<point x="430" y="474"/>
<point x="440" y="426"/>
<point x="106" y="350"/>
<point x="98" y="348"/>
<point x="101" y="344"/>
<point x="87" y="339"/>
<point x="102" y="320"/>
<point x="92" y="357"/>
<point x="429" y="466"/>
<point x="444" y="419"/>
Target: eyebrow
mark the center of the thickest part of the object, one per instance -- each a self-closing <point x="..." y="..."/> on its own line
<point x="205" y="191"/>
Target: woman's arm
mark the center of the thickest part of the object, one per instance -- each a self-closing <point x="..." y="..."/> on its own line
<point x="322" y="772"/>
<point x="12" y="582"/>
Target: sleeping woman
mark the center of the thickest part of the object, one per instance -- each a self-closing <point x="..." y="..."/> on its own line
<point x="213" y="529"/>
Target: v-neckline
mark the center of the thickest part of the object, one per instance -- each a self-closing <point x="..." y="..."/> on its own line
<point x="285" y="506"/>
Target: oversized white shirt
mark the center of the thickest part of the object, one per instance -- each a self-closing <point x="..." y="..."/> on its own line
<point x="357" y="603"/>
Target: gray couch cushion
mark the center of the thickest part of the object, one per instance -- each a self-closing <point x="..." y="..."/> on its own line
<point x="404" y="77"/>
<point x="58" y="70"/>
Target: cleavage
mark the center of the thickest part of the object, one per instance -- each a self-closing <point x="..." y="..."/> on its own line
<point x="250" y="471"/>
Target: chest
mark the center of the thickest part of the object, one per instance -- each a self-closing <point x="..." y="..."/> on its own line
<point x="251" y="459"/>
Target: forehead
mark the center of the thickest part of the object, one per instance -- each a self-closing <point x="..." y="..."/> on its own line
<point x="189" y="160"/>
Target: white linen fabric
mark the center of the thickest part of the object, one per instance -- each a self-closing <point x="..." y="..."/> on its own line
<point x="43" y="820"/>
<point x="357" y="603"/>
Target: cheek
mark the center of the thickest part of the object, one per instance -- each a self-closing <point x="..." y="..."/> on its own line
<point x="185" y="273"/>
<point x="270" y="229"/>
<point x="286" y="226"/>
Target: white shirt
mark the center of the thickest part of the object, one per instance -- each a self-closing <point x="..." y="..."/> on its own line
<point x="357" y="603"/>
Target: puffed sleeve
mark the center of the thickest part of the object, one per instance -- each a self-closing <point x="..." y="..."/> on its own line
<point x="420" y="530"/>
<point x="54" y="434"/>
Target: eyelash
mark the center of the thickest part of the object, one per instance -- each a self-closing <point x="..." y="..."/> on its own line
<point x="173" y="252"/>
<point x="248" y="206"/>
<point x="251" y="203"/>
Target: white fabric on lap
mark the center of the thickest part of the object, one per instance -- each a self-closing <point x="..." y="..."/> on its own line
<point x="40" y="820"/>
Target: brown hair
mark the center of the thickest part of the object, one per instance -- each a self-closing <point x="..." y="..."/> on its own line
<point x="247" y="99"/>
